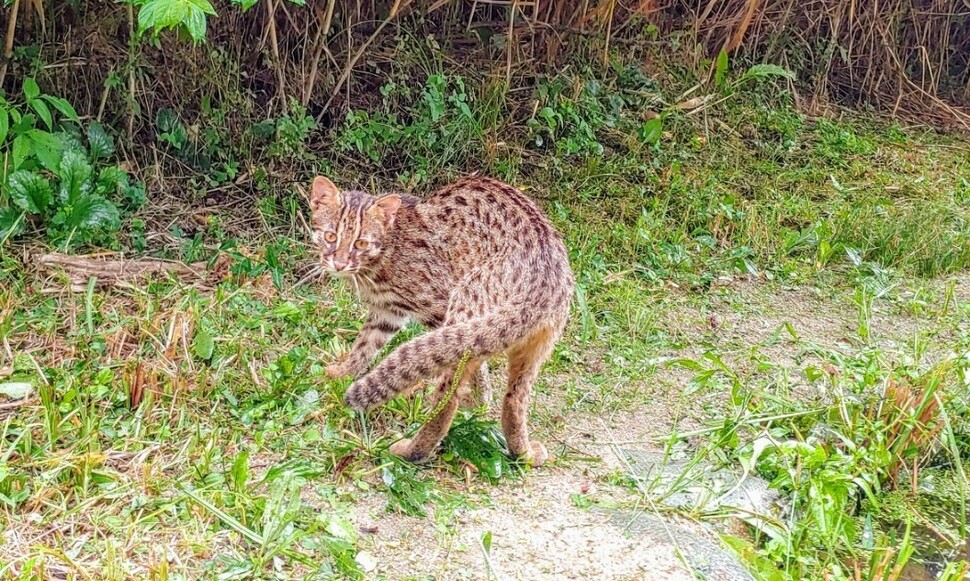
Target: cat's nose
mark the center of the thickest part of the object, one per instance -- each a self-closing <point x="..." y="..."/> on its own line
<point x="339" y="264"/>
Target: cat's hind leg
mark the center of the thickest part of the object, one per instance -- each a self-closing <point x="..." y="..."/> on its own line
<point x="424" y="442"/>
<point x="525" y="360"/>
<point x="479" y="392"/>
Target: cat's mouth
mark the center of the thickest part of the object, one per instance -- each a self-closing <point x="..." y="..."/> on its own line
<point x="347" y="271"/>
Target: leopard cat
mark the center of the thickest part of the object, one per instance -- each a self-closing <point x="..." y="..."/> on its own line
<point x="479" y="264"/>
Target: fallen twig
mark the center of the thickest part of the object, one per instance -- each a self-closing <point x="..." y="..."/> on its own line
<point x="108" y="271"/>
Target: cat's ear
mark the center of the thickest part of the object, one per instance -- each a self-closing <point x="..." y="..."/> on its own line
<point x="324" y="193"/>
<point x="387" y="207"/>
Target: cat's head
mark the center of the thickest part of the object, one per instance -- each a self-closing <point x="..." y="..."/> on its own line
<point x="350" y="228"/>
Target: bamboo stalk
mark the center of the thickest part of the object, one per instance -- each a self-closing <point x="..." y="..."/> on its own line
<point x="743" y="27"/>
<point x="275" y="49"/>
<point x="8" y="43"/>
<point x="349" y="67"/>
<point x="320" y="44"/>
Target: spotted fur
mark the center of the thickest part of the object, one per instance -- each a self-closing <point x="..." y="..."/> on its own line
<point x="478" y="263"/>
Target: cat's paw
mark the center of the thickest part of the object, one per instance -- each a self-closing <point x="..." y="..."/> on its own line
<point x="537" y="454"/>
<point x="401" y="448"/>
<point x="404" y="448"/>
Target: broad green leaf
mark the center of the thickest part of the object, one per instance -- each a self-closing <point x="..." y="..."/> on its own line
<point x="366" y="560"/>
<point x="62" y="106"/>
<point x="340" y="527"/>
<point x="159" y="15"/>
<point x="720" y="67"/>
<point x="291" y="469"/>
<point x="111" y="181"/>
<point x="11" y="223"/>
<point x="31" y="90"/>
<point x="195" y="24"/>
<point x="652" y="130"/>
<point x="549" y="115"/>
<point x="71" y="141"/>
<point x="20" y="150"/>
<point x="165" y="120"/>
<point x="280" y="507"/>
<point x="47" y="147"/>
<point x="75" y="173"/>
<point x="30" y="192"/>
<point x="688" y="364"/>
<point x="23" y="123"/>
<point x="100" y="142"/>
<point x="854" y="255"/>
<point x="93" y="213"/>
<point x="44" y="112"/>
<point x="4" y="125"/>
<point x="203" y="345"/>
<point x="240" y="470"/>
<point x="245" y="4"/>
<point x="749" y="463"/>
<point x="134" y="194"/>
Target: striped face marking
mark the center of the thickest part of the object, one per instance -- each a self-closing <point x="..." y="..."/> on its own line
<point x="350" y="228"/>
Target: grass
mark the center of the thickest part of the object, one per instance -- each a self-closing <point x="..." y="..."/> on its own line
<point x="746" y="263"/>
<point x="862" y="419"/>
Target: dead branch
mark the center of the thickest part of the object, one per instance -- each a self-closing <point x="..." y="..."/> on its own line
<point x="8" y="41"/>
<point x="108" y="271"/>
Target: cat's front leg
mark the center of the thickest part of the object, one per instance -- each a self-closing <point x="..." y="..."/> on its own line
<point x="379" y="328"/>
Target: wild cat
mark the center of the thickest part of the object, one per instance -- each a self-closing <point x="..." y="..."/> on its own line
<point x="478" y="263"/>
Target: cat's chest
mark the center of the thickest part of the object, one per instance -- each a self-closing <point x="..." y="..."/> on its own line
<point x="421" y="300"/>
<point x="379" y="296"/>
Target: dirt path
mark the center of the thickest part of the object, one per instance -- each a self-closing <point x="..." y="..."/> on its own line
<point x="540" y="531"/>
<point x="578" y="517"/>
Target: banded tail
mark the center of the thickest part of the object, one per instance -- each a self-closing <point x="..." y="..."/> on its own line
<point x="439" y="351"/>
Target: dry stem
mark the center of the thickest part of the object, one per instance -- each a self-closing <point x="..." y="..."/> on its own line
<point x="8" y="43"/>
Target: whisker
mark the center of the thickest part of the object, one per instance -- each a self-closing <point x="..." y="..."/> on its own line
<point x="316" y="271"/>
<point x="369" y="280"/>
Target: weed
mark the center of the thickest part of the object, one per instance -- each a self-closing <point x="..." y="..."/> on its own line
<point x="205" y="146"/>
<point x="836" y="454"/>
<point x="481" y="445"/>
<point x="436" y="130"/>
<point x="161" y="416"/>
<point x="50" y="177"/>
<point x="291" y="133"/>
<point x="407" y="491"/>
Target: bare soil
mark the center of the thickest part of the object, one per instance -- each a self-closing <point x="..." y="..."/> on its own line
<point x="539" y="531"/>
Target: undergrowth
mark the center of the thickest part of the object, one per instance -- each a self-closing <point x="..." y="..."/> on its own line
<point x="161" y="431"/>
<point x="845" y="436"/>
<point x="52" y="177"/>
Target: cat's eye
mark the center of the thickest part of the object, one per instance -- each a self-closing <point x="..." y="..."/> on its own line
<point x="330" y="237"/>
<point x="361" y="245"/>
